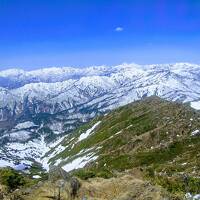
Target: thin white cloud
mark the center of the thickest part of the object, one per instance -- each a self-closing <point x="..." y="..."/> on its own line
<point x="119" y="29"/>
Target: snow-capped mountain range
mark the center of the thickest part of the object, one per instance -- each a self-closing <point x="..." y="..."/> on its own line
<point x="39" y="107"/>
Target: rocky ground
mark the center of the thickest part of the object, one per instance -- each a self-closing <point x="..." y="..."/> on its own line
<point x="126" y="186"/>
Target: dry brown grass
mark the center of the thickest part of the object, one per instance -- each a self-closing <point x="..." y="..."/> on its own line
<point x="121" y="188"/>
<point x="126" y="186"/>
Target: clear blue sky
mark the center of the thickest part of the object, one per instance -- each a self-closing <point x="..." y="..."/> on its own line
<point x="39" y="33"/>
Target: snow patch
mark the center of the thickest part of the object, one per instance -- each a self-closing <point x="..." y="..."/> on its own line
<point x="34" y="149"/>
<point x="79" y="162"/>
<point x="5" y="163"/>
<point x="25" y="125"/>
<point x="118" y="132"/>
<point x="189" y="196"/>
<point x="36" y="176"/>
<point x="195" y="133"/>
<point x="20" y="135"/>
<point x="195" y="105"/>
<point x="88" y="132"/>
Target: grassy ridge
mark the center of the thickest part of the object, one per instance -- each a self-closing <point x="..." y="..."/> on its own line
<point x="153" y="135"/>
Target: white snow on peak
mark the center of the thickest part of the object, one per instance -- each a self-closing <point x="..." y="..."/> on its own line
<point x="52" y="74"/>
<point x="57" y="74"/>
<point x="12" y="72"/>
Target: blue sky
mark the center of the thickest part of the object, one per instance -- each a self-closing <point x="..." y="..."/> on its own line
<point x="41" y="33"/>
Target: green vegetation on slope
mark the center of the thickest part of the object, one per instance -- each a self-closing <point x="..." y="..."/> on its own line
<point x="13" y="179"/>
<point x="153" y="135"/>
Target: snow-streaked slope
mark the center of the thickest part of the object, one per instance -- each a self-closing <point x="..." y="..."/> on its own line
<point x="51" y="102"/>
<point x="124" y="127"/>
<point x="80" y="158"/>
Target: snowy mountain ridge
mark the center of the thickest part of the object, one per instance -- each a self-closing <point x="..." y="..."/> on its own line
<point x="18" y="77"/>
<point x="39" y="107"/>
